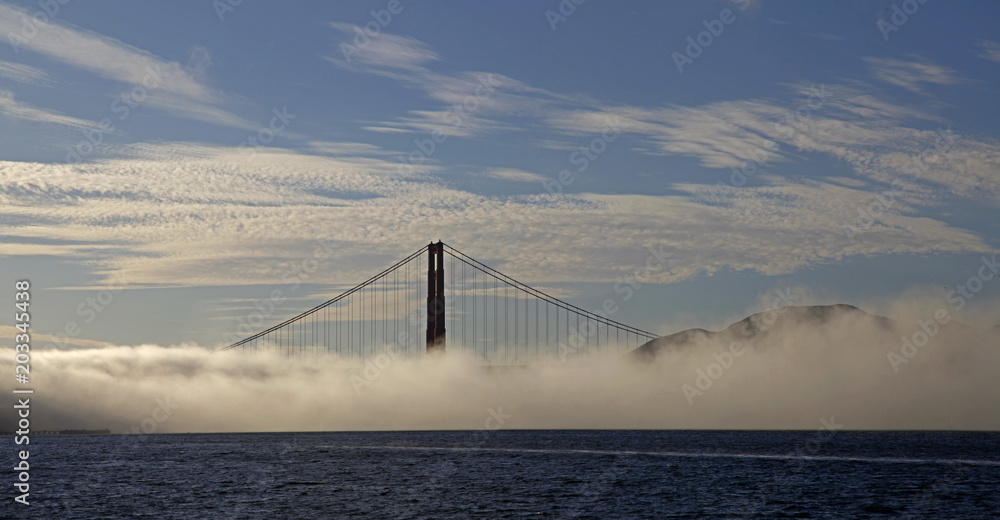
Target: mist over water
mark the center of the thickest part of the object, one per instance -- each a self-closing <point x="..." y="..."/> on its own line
<point x="802" y="375"/>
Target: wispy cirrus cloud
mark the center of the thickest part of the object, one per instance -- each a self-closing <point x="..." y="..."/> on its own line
<point x="104" y="56"/>
<point x="872" y="136"/>
<point x="385" y="51"/>
<point x="23" y="73"/>
<point x="844" y="121"/>
<point x="177" y="89"/>
<point x="514" y="175"/>
<point x="912" y="74"/>
<point x="723" y="134"/>
<point x="12" y="108"/>
<point x="204" y="215"/>
<point x="199" y="216"/>
<point x="493" y="97"/>
<point x="990" y="50"/>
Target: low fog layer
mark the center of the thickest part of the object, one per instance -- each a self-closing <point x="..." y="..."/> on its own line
<point x="801" y="372"/>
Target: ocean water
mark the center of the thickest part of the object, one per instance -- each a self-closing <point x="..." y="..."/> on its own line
<point x="514" y="474"/>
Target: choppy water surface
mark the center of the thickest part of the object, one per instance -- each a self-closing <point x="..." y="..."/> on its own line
<point x="516" y="474"/>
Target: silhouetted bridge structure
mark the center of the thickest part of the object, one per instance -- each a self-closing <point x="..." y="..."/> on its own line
<point x="487" y="313"/>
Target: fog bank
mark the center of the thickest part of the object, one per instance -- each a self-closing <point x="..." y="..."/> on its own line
<point x="800" y="373"/>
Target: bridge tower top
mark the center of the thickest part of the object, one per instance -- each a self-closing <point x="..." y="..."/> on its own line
<point x="494" y="317"/>
<point x="435" y="298"/>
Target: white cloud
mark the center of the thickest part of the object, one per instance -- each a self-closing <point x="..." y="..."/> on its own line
<point x="991" y="50"/>
<point x="845" y="122"/>
<point x="911" y="75"/>
<point x="23" y="73"/>
<point x="46" y="339"/>
<point x="515" y="175"/>
<point x="345" y="149"/>
<point x="10" y="107"/>
<point x="177" y="89"/>
<point x="838" y="365"/>
<point x="440" y="121"/>
<point x="485" y="98"/>
<point x="552" y="144"/>
<point x="724" y="134"/>
<point x="383" y="51"/>
<point x="107" y="57"/>
<point x="866" y="133"/>
<point x="209" y="216"/>
<point x="387" y="129"/>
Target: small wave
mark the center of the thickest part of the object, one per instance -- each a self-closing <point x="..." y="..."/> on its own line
<point x="298" y="483"/>
<point x="686" y="454"/>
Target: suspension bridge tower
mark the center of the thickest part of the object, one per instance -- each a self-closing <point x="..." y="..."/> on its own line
<point x="494" y="317"/>
<point x="435" y="298"/>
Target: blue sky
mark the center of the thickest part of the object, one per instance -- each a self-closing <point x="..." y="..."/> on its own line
<point x="801" y="145"/>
